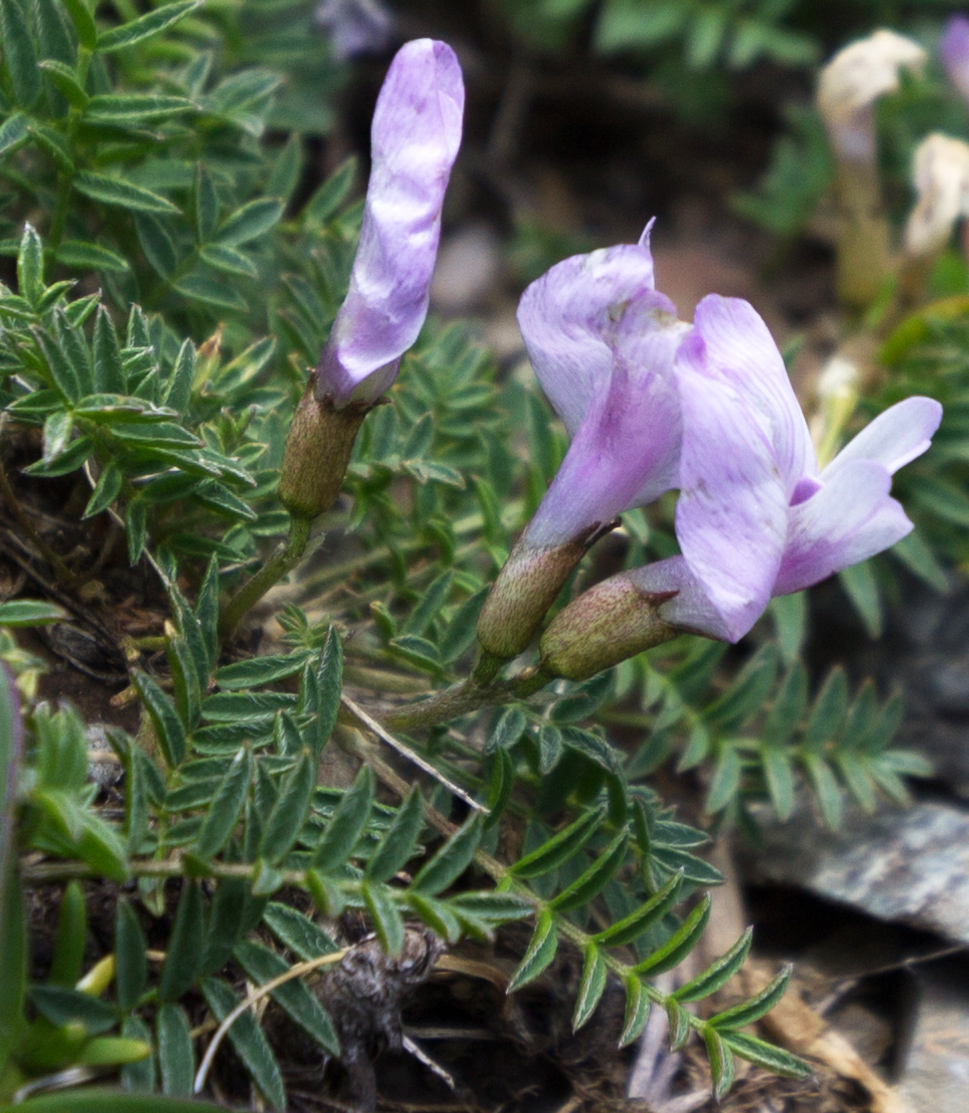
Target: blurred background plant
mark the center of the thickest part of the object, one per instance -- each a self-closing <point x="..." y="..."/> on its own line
<point x="181" y="192"/>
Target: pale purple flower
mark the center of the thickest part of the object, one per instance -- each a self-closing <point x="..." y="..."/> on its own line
<point x="415" y="138"/>
<point x="355" y="27"/>
<point x="601" y="340"/>
<point x="954" y="51"/>
<point x="756" y="516"/>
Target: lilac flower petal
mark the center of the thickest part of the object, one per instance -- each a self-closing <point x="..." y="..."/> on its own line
<point x="731" y="518"/>
<point x="741" y="350"/>
<point x="416" y="134"/>
<point x="850" y="519"/>
<point x="894" y="438"/>
<point x="567" y="318"/>
<point x="954" y="50"/>
<point x="355" y="27"/>
<point x="690" y="608"/>
<point x="625" y="452"/>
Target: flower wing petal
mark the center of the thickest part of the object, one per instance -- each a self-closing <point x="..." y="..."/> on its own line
<point x="894" y="438"/>
<point x="850" y="519"/>
<point x="690" y="608"/>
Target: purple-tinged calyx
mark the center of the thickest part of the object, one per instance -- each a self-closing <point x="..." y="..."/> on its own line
<point x="415" y="138"/>
<point x="602" y="342"/>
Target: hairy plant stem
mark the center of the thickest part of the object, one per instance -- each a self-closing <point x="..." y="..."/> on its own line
<point x="469" y="695"/>
<point x="285" y="558"/>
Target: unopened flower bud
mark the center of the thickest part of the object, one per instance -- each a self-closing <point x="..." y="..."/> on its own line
<point x="854" y="79"/>
<point x="607" y="624"/>
<point x="941" y="179"/>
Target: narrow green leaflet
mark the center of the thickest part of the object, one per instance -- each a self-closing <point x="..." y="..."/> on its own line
<point x="451" y="860"/>
<point x="721" y="1058"/>
<point x="347" y="823"/>
<point x="19" y="56"/>
<point x="30" y="612"/>
<point x="718" y="973"/>
<point x="143" y="27"/>
<point x="185" y="947"/>
<point x="560" y="848"/>
<point x="329" y="676"/>
<point x="399" y="840"/>
<point x="120" y="192"/>
<point x="226" y="807"/>
<point x="254" y="219"/>
<point x="679" y="944"/>
<point x="168" y="727"/>
<point x="289" y="812"/>
<point x="591" y="882"/>
<point x="739" y="1016"/>
<point x="591" y="987"/>
<point x="262" y="964"/>
<point x="387" y="920"/>
<point x="637" y="1011"/>
<point x="540" y="952"/>
<point x="766" y="1055"/>
<point x="131" y="957"/>
<point x="298" y="932"/>
<point x="176" y="1058"/>
<point x="249" y="1042"/>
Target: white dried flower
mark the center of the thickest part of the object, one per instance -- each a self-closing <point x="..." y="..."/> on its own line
<point x="941" y="177"/>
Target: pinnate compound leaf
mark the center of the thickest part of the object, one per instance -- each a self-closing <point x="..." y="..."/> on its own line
<point x="591" y="987"/>
<point x="451" y="860"/>
<point x="347" y="823"/>
<point x="560" y="848"/>
<point x="153" y="23"/>
<point x="248" y="1041"/>
<point x="399" y="840"/>
<point x="718" y="973"/>
<point x="637" y="1011"/>
<point x="739" y="1016"/>
<point x="540" y="952"/>
<point x="679" y="944"/>
<point x="168" y="727"/>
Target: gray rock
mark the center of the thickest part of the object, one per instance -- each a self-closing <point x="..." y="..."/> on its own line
<point x="935" y="1075"/>
<point x="909" y="867"/>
